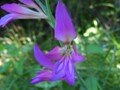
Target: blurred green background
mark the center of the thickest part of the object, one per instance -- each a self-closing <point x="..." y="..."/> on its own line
<point x="97" y="23"/>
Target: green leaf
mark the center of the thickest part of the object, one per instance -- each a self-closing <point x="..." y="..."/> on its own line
<point x="94" y="48"/>
<point x="105" y="4"/>
<point x="91" y="84"/>
<point x="65" y="86"/>
<point x="47" y="85"/>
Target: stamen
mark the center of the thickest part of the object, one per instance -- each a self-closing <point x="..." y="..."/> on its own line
<point x="67" y="50"/>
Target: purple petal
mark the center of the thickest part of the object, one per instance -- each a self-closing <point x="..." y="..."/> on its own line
<point x="77" y="57"/>
<point x="19" y="9"/>
<point x="41" y="58"/>
<point x="29" y="3"/>
<point x="64" y="29"/>
<point x="44" y="75"/>
<point x="59" y="69"/>
<point x="55" y="53"/>
<point x="7" y="18"/>
<point x="70" y="74"/>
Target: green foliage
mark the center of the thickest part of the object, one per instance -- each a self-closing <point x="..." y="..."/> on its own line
<point x="98" y="26"/>
<point x="91" y="84"/>
<point x="93" y="48"/>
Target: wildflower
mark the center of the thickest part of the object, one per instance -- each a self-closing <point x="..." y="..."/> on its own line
<point x="59" y="62"/>
<point x="28" y="10"/>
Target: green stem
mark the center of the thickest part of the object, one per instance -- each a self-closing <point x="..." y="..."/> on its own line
<point x="49" y="13"/>
<point x="81" y="80"/>
<point x="111" y="64"/>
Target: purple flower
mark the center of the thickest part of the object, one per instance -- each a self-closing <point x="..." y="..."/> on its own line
<point x="21" y="11"/>
<point x="59" y="62"/>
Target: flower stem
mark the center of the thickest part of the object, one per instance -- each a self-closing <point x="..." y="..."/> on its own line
<point x="49" y="13"/>
<point x="81" y="80"/>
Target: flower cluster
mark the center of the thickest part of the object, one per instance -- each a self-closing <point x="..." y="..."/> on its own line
<point x="59" y="62"/>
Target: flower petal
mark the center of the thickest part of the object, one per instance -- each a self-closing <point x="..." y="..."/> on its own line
<point x="70" y="74"/>
<point x="59" y="69"/>
<point x="77" y="57"/>
<point x="30" y="3"/>
<point x="54" y="54"/>
<point x="41" y="58"/>
<point x="44" y="75"/>
<point x="7" y="18"/>
<point x="64" y="29"/>
<point x="19" y="9"/>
